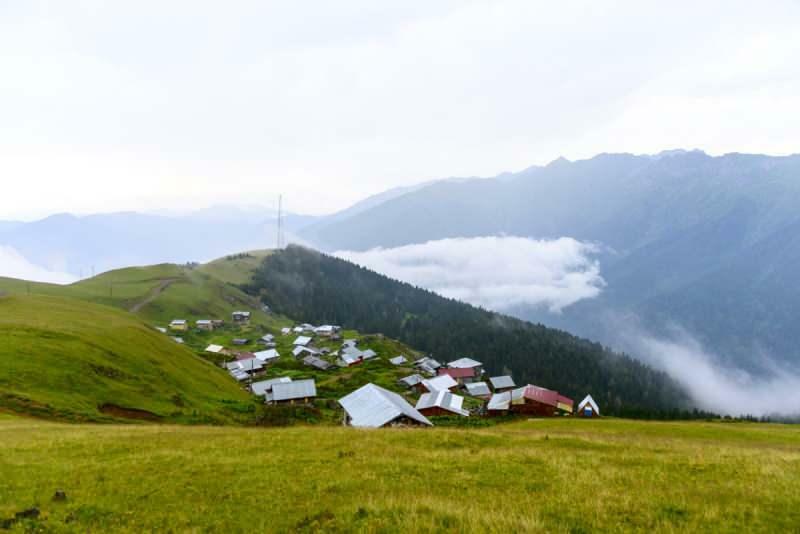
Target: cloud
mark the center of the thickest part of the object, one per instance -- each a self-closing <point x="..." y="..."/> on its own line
<point x="494" y="272"/>
<point x="714" y="385"/>
<point x="14" y="265"/>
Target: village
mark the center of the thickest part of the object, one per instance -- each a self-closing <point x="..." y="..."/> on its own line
<point x="286" y="366"/>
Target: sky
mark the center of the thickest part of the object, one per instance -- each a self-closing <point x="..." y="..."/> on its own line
<point x="155" y="105"/>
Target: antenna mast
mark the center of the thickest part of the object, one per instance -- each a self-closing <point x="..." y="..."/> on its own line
<point x="280" y="207"/>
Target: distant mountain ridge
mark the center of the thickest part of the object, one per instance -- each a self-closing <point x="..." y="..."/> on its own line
<point x="688" y="238"/>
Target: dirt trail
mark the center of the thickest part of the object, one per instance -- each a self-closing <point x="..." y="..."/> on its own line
<point x="154" y="293"/>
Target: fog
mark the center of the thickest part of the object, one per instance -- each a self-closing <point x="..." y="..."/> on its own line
<point x="14" y="265"/>
<point x="494" y="272"/>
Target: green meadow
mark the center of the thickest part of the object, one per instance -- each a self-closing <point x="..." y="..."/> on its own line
<point x="562" y="475"/>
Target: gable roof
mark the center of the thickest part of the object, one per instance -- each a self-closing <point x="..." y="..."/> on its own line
<point x="464" y="362"/>
<point x="502" y="382"/>
<point x="458" y="372"/>
<point x="440" y="383"/>
<point x="398" y="360"/>
<point x="298" y="389"/>
<point x="248" y="365"/>
<point x="411" y="380"/>
<point x="590" y="401"/>
<point x="261" y="388"/>
<point x="372" y="406"/>
<point x="266" y="355"/>
<point x="317" y="363"/>
<point x="478" y="389"/>
<point x="444" y="400"/>
<point x="302" y="340"/>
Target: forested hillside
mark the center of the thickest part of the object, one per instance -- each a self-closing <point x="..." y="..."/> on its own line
<point x="317" y="288"/>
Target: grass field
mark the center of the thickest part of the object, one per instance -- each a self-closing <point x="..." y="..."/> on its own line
<point x="68" y="359"/>
<point x="564" y="475"/>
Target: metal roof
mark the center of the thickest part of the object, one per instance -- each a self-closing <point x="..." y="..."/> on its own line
<point x="372" y="406"/>
<point x="411" y="380"/>
<point x="590" y="401"/>
<point x="267" y="338"/>
<point x="302" y="340"/>
<point x="444" y="400"/>
<point x="249" y="365"/>
<point x="369" y="353"/>
<point x="440" y="383"/>
<point x="500" y="401"/>
<point x="398" y="360"/>
<point x="464" y="362"/>
<point x="215" y="348"/>
<point x="458" y="372"/>
<point x="261" y="388"/>
<point x="265" y="355"/>
<point x="318" y="363"/>
<point x="299" y="389"/>
<point x="502" y="382"/>
<point x="478" y="389"/>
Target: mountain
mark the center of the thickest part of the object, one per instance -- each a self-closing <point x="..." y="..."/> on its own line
<point x="313" y="287"/>
<point x="688" y="239"/>
<point x="70" y="359"/>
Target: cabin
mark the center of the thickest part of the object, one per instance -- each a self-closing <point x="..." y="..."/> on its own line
<point x="398" y="360"/>
<point x="266" y="339"/>
<point x="299" y="351"/>
<point x="326" y="330"/>
<point x="179" y="324"/>
<point x="267" y="356"/>
<point x="240" y="317"/>
<point x="502" y="383"/>
<point x="302" y="341"/>
<point x="243" y="369"/>
<point x="372" y="406"/>
<point x="462" y="375"/>
<point x="530" y="400"/>
<point x="427" y="365"/>
<point x="317" y="363"/>
<point x="295" y="392"/>
<point x="588" y="408"/>
<point x="204" y="324"/>
<point x="467" y="363"/>
<point x="441" y="403"/>
<point x="263" y="387"/>
<point x="478" y="389"/>
<point x="412" y="381"/>
<point x="440" y="383"/>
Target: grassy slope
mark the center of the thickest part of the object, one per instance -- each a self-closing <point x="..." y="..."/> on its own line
<point x="563" y="475"/>
<point x="236" y="269"/>
<point x="64" y="358"/>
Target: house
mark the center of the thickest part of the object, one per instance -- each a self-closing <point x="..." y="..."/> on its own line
<point x="427" y="365"/>
<point x="349" y="343"/>
<point x="286" y="331"/>
<point x="243" y="355"/>
<point x="412" y="381"/>
<point x="299" y="350"/>
<point x="398" y="360"/>
<point x="368" y="354"/>
<point x="478" y="389"/>
<point x="440" y="383"/>
<point x="302" y="341"/>
<point x="467" y="363"/>
<point x="307" y="327"/>
<point x="204" y="324"/>
<point x="267" y="356"/>
<point x="530" y="400"/>
<point x="179" y="324"/>
<point x="588" y="408"/>
<point x="502" y="383"/>
<point x="267" y="339"/>
<point x="249" y="366"/>
<point x="297" y="329"/>
<point x="263" y="387"/>
<point x="240" y="341"/>
<point x="462" y="375"/>
<point x="240" y="316"/>
<point x="372" y="406"/>
<point x="317" y="363"/>
<point x="295" y="392"/>
<point x="215" y="349"/>
<point x="441" y="403"/>
<point x="325" y="330"/>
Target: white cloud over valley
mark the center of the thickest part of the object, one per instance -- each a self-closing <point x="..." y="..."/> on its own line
<point x="14" y="265"/>
<point x="494" y="272"/>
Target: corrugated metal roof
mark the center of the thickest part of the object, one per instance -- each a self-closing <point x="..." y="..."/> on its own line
<point x="464" y="362"/>
<point x="440" y="383"/>
<point x="478" y="389"/>
<point x="299" y="389"/>
<point x="267" y="355"/>
<point x="444" y="400"/>
<point x="398" y="360"/>
<point x="261" y="388"/>
<point x="500" y="401"/>
<point x="317" y="363"/>
<point x="372" y="406"/>
<point x="302" y="340"/>
<point x="590" y="401"/>
<point x="249" y="365"/>
<point x="502" y="382"/>
<point x="411" y="380"/>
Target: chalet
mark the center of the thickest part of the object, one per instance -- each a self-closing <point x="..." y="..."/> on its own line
<point x="267" y="356"/>
<point x="263" y="387"/>
<point x="204" y="324"/>
<point x="301" y="341"/>
<point x="372" y="406"/>
<point x="215" y="349"/>
<point x="502" y="383"/>
<point x="478" y="389"/>
<point x="317" y="363"/>
<point x="530" y="400"/>
<point x="240" y="316"/>
<point x="398" y="360"/>
<point x="412" y="381"/>
<point x="441" y="403"/>
<point x="295" y="392"/>
<point x="467" y="363"/>
<point x="179" y="324"/>
<point x="588" y="408"/>
<point x="440" y="383"/>
<point x="462" y="375"/>
<point x="240" y="341"/>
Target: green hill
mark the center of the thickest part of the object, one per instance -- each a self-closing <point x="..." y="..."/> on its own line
<point x="70" y="359"/>
<point x="237" y="269"/>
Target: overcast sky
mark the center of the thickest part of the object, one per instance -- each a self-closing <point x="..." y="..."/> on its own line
<point x="155" y="104"/>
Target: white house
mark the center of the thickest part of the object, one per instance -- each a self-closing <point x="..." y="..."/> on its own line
<point x="372" y="406"/>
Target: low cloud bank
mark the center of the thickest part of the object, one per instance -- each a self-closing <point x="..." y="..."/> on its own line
<point x="494" y="272"/>
<point x="716" y="386"/>
<point x="14" y="265"/>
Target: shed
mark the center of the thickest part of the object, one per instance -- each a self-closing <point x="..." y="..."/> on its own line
<point x="588" y="408"/>
<point x="372" y="406"/>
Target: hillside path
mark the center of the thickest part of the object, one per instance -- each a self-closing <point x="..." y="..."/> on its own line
<point x="154" y="293"/>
